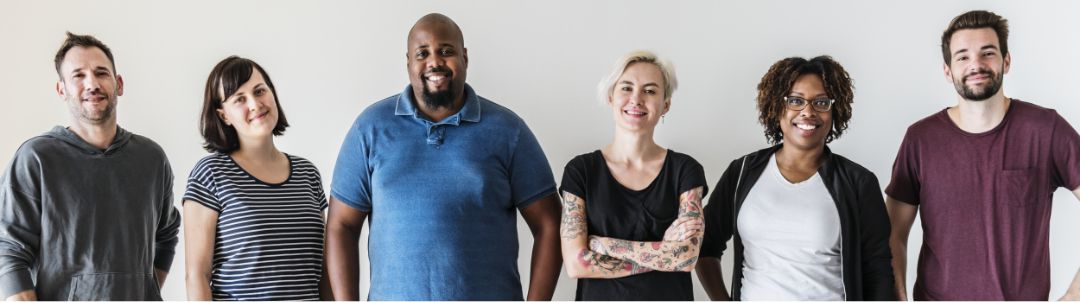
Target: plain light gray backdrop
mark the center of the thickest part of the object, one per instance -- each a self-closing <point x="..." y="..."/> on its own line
<point x="542" y="59"/>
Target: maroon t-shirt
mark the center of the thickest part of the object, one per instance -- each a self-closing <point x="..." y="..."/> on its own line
<point x="985" y="202"/>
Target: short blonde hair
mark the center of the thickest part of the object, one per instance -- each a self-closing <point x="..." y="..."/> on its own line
<point x="607" y="84"/>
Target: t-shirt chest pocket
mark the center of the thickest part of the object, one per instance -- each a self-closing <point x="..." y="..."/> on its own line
<point x="1017" y="187"/>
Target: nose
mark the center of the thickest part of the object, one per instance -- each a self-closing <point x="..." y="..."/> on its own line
<point x="91" y="84"/>
<point x="808" y="111"/>
<point x="434" y="61"/>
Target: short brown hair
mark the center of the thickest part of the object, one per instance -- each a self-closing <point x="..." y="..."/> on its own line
<point x="777" y="83"/>
<point x="974" y="20"/>
<point x="224" y="80"/>
<point x="74" y="40"/>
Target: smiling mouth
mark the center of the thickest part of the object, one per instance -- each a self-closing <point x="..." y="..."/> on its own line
<point x="264" y="114"/>
<point x="807" y="127"/>
<point x="635" y="113"/>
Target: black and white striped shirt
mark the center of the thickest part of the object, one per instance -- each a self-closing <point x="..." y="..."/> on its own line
<point x="269" y="240"/>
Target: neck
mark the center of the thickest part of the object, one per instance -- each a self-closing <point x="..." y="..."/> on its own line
<point x="980" y="116"/>
<point x="632" y="148"/>
<point x="437" y="114"/>
<point x="804" y="159"/>
<point x="259" y="149"/>
<point x="97" y="135"/>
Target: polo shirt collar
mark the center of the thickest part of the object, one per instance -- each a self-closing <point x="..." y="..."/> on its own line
<point x="470" y="111"/>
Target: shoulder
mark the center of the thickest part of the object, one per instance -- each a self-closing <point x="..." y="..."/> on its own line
<point x="380" y="110"/>
<point x="41" y="144"/>
<point x="1025" y="112"/>
<point x="929" y="124"/>
<point x="145" y="144"/>
<point x="212" y="163"/>
<point x="584" y="161"/>
<point x="683" y="160"/>
<point x="491" y="111"/>
<point x="302" y="163"/>
<point x="850" y="168"/>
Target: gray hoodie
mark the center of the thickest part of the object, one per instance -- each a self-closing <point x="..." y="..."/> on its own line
<point x="81" y="223"/>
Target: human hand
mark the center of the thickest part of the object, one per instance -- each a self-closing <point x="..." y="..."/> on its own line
<point x="684" y="228"/>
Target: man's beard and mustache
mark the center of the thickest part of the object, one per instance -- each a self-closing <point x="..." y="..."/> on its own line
<point x="975" y="94"/>
<point x="439" y="99"/>
<point x="92" y="116"/>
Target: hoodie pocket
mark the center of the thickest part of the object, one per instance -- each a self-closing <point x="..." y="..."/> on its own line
<point x="114" y="286"/>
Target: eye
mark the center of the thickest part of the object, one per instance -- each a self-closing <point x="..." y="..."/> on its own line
<point x="626" y="88"/>
<point x="446" y="52"/>
<point x="421" y="54"/>
<point x="794" y="100"/>
<point x="961" y="58"/>
<point x="650" y="91"/>
<point x="101" y="73"/>
<point x="260" y="91"/>
<point x="821" y="103"/>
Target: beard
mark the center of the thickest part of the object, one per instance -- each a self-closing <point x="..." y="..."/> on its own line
<point x="93" y="116"/>
<point x="976" y="94"/>
<point x="439" y="99"/>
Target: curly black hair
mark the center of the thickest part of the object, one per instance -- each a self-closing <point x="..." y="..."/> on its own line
<point x="777" y="83"/>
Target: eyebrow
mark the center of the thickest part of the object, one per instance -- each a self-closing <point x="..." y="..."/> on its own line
<point x="991" y="46"/>
<point x="632" y="83"/>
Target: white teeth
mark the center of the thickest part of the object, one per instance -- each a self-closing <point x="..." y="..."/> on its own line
<point x="806" y="126"/>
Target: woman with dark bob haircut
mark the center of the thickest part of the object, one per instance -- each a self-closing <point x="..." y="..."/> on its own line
<point x="808" y="224"/>
<point x="253" y="215"/>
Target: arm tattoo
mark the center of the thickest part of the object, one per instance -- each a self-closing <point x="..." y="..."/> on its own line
<point x="573" y="216"/>
<point x="658" y="255"/>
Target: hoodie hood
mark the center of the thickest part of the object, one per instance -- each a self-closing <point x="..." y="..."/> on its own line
<point x="64" y="134"/>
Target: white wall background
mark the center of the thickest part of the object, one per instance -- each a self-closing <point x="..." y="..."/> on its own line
<point x="331" y="59"/>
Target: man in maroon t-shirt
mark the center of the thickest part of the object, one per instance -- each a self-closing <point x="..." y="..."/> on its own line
<point x="983" y="173"/>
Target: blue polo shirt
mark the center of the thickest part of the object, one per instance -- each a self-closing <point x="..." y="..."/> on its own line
<point x="442" y="197"/>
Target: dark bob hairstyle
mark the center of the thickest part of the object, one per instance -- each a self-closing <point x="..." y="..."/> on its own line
<point x="225" y="80"/>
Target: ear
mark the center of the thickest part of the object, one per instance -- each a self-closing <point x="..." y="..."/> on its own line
<point x="119" y="85"/>
<point x="60" y="89"/>
<point x="465" y="54"/>
<point x="667" y="106"/>
<point x="1008" y="62"/>
<point x="948" y="72"/>
<point x="221" y="115"/>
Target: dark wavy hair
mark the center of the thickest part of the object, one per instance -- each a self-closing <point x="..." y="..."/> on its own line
<point x="87" y="41"/>
<point x="224" y="80"/>
<point x="777" y="83"/>
<point x="975" y="19"/>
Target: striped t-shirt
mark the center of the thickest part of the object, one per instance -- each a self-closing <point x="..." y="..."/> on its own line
<point x="269" y="240"/>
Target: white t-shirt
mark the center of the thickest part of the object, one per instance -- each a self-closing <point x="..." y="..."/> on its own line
<point x="791" y="235"/>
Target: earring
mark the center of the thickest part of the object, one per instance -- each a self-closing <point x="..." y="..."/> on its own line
<point x="663" y="118"/>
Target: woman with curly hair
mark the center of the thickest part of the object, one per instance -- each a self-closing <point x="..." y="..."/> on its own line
<point x="808" y="224"/>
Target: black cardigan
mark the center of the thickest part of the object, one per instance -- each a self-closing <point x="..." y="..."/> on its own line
<point x="864" y="223"/>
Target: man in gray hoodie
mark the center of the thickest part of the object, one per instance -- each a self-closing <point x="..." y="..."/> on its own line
<point x="86" y="210"/>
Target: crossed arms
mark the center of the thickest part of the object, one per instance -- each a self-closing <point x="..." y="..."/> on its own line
<point x="602" y="257"/>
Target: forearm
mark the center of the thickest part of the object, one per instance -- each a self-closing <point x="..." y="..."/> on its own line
<point x="581" y="262"/>
<point x="26" y="295"/>
<point x="160" y="275"/>
<point x="711" y="275"/>
<point x="1073" y="293"/>
<point x="668" y="256"/>
<point x="343" y="267"/>
<point x="546" y="263"/>
<point x="198" y="286"/>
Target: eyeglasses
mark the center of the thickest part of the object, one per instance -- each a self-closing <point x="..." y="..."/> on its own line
<point x="797" y="104"/>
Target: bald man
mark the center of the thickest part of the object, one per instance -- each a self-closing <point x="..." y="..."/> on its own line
<point x="441" y="172"/>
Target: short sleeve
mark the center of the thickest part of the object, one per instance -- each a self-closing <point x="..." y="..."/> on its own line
<point x="573" y="178"/>
<point x="352" y="173"/>
<point x="201" y="187"/>
<point x="718" y="212"/>
<point x="904" y="185"/>
<point x="1065" y="157"/>
<point x="317" y="189"/>
<point x="692" y="175"/>
<point x="530" y="174"/>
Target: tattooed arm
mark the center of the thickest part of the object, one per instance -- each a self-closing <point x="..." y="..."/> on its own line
<point x="581" y="262"/>
<point x="678" y="252"/>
